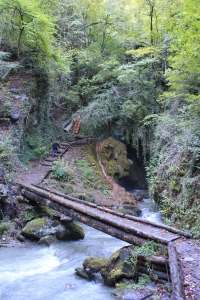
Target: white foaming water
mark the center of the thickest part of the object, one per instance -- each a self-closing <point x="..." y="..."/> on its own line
<point x="147" y="213"/>
<point x="148" y="208"/>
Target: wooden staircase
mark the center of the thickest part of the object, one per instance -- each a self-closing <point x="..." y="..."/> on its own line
<point x="48" y="162"/>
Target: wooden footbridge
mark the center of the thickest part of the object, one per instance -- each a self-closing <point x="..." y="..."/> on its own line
<point x="133" y="230"/>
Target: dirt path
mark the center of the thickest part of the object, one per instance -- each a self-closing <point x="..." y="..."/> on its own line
<point x="189" y="256"/>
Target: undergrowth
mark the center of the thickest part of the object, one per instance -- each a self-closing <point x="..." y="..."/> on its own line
<point x="61" y="171"/>
<point x="5" y="226"/>
<point x="91" y="176"/>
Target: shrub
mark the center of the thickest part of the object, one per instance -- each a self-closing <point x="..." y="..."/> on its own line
<point x="4" y="226"/>
<point x="61" y="171"/>
<point x="91" y="176"/>
<point x="6" y="149"/>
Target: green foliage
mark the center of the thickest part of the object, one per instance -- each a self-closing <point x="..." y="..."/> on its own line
<point x="29" y="213"/>
<point x="49" y="211"/>
<point x="132" y="261"/>
<point x="36" y="147"/>
<point x="4" y="226"/>
<point x="28" y="27"/>
<point x="151" y="248"/>
<point x="91" y="176"/>
<point x="6" y="150"/>
<point x="6" y="109"/>
<point x="61" y="171"/>
<point x="142" y="280"/>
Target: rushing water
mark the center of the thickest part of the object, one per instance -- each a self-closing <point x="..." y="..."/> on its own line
<point x="148" y="207"/>
<point x="47" y="273"/>
<point x="42" y="273"/>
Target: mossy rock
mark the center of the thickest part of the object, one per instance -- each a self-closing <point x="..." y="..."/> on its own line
<point x="62" y="230"/>
<point x="81" y="272"/>
<point x="117" y="267"/>
<point x="94" y="264"/>
<point x="114" y="158"/>
<point x="47" y="240"/>
<point x="73" y="231"/>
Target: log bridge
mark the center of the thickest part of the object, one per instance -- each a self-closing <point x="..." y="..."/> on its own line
<point x="130" y="229"/>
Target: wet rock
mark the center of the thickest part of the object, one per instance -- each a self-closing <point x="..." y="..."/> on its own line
<point x="21" y="238"/>
<point x="132" y="209"/>
<point x="62" y="230"/>
<point x="113" y="271"/>
<point x="132" y="294"/>
<point x="81" y="272"/>
<point x="141" y="194"/>
<point x="94" y="264"/>
<point x="47" y="240"/>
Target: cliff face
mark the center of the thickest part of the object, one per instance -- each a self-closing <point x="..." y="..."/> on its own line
<point x="174" y="172"/>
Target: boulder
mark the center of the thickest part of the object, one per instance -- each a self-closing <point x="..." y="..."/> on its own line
<point x="47" y="240"/>
<point x="81" y="272"/>
<point x="94" y="264"/>
<point x="112" y="269"/>
<point x="131" y="209"/>
<point x="62" y="230"/>
<point x="114" y="159"/>
<point x="117" y="267"/>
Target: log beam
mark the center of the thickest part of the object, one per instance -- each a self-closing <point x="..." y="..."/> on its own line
<point x="176" y="278"/>
<point x="111" y="230"/>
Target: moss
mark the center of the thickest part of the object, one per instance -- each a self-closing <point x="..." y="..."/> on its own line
<point x="95" y="264"/>
<point x="34" y="224"/>
<point x="114" y="159"/>
<point x="75" y="231"/>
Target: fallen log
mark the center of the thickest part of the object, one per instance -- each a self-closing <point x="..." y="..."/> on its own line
<point x="111" y="230"/>
<point x="68" y="196"/>
<point x="176" y="278"/>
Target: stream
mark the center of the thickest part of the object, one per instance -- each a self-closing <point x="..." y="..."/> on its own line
<point x="148" y="207"/>
<point x="40" y="272"/>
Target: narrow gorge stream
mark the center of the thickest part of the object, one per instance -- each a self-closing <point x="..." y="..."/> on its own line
<point x="148" y="208"/>
<point x="44" y="273"/>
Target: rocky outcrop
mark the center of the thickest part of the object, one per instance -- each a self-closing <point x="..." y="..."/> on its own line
<point x="127" y="263"/>
<point x="39" y="228"/>
<point x="114" y="159"/>
<point x="111" y="269"/>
